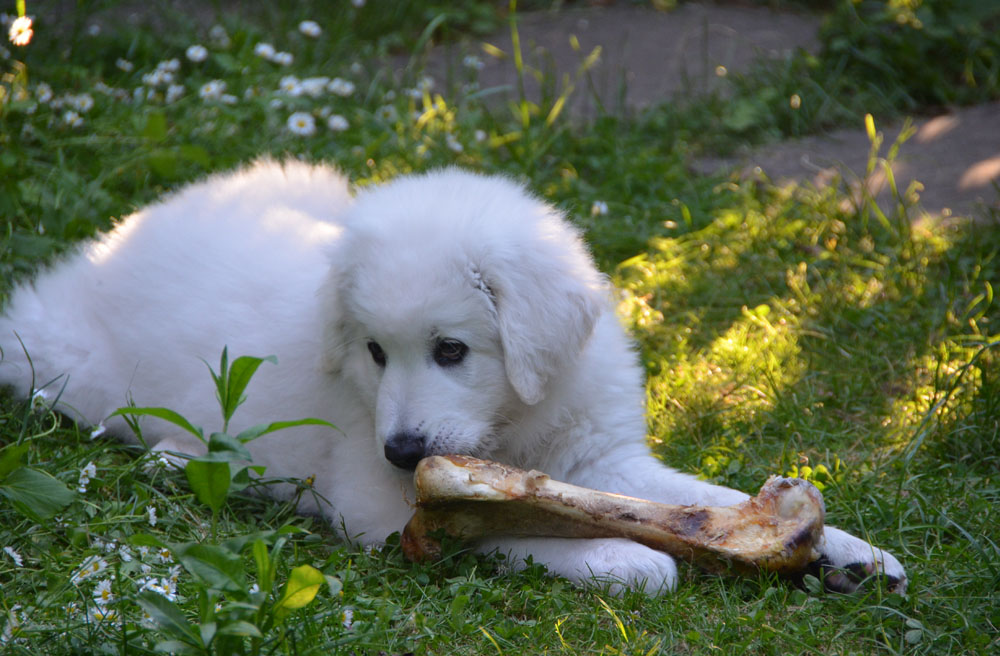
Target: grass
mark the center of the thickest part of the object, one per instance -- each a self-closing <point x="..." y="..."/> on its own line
<point x="784" y="331"/>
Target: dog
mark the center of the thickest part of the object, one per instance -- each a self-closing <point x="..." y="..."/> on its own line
<point x="448" y="312"/>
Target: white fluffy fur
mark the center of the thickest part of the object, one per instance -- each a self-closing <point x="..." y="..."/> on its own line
<point x="279" y="259"/>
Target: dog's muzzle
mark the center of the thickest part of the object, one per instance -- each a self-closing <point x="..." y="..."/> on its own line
<point x="405" y="450"/>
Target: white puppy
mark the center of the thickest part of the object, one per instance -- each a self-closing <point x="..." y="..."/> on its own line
<point x="442" y="313"/>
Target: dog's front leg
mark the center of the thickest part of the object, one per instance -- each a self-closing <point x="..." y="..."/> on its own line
<point x="617" y="561"/>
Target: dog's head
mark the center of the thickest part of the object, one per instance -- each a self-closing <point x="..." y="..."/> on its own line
<point x="455" y="301"/>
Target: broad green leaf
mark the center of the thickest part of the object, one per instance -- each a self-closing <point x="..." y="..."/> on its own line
<point x="303" y="584"/>
<point x="240" y="373"/>
<point x="334" y="585"/>
<point x="220" y="568"/>
<point x="169" y="618"/>
<point x="254" y="432"/>
<point x="155" y="128"/>
<point x="222" y="443"/>
<point x="207" y="631"/>
<point x="165" y="414"/>
<point x="241" y="479"/>
<point x="210" y="481"/>
<point x="742" y="114"/>
<point x="163" y="161"/>
<point x="35" y="493"/>
<point x="11" y="457"/>
<point x="265" y="570"/>
<point x="241" y="628"/>
<point x="195" y="154"/>
<point x="227" y="62"/>
<point x="239" y="543"/>
<point x="146" y="540"/>
<point x="176" y="647"/>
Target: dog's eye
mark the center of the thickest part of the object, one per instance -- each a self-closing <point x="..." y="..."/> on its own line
<point x="378" y="355"/>
<point x="449" y="352"/>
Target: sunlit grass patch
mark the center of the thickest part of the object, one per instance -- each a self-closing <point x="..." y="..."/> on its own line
<point x="789" y="315"/>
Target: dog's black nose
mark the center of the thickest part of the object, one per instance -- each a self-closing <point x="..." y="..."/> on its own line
<point x="405" y="450"/>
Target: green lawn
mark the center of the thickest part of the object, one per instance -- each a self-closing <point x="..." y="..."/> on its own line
<point x="784" y="331"/>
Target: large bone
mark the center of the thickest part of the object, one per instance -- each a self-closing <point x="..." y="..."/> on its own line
<point x="468" y="499"/>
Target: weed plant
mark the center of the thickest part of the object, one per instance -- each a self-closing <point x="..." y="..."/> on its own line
<point x="784" y="330"/>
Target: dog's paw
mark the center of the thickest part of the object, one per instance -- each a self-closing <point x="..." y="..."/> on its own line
<point x="622" y="563"/>
<point x="847" y="562"/>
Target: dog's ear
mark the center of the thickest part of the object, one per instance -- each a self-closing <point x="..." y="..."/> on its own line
<point x="336" y="337"/>
<point x="548" y="296"/>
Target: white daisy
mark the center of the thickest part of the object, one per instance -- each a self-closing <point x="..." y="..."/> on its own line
<point x="124" y="65"/>
<point x="82" y="103"/>
<point x="102" y="593"/>
<point x="40" y="397"/>
<point x="387" y="113"/>
<point x="158" y="77"/>
<point x="91" y="566"/>
<point x="265" y="50"/>
<point x="98" y="431"/>
<point x="290" y="85"/>
<point x="212" y="90"/>
<point x="315" y="86"/>
<point x="196" y="53"/>
<point x="310" y="28"/>
<point x="337" y="123"/>
<point x="219" y="36"/>
<point x="100" y="615"/>
<point x="473" y="62"/>
<point x="453" y="144"/>
<point x="20" y="31"/>
<point x="16" y="557"/>
<point x="88" y="472"/>
<point x="43" y="93"/>
<point x="151" y="513"/>
<point x="283" y="58"/>
<point x="599" y="208"/>
<point x="302" y="124"/>
<point x="347" y="618"/>
<point x="340" y="87"/>
<point x="125" y="553"/>
<point x="72" y="118"/>
<point x="174" y="93"/>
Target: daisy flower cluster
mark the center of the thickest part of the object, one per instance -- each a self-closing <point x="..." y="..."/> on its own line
<point x="88" y="472"/>
<point x="305" y="106"/>
<point x="113" y="576"/>
<point x="13" y="620"/>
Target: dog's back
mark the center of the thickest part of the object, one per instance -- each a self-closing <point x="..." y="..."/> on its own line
<point x="136" y="309"/>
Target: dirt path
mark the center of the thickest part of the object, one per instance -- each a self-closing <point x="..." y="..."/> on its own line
<point x="649" y="56"/>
